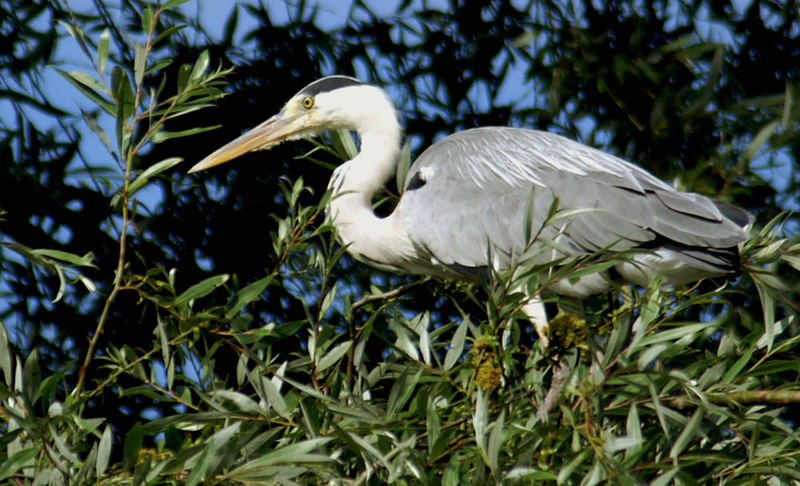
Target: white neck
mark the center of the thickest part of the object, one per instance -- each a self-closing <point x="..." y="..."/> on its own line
<point x="381" y="242"/>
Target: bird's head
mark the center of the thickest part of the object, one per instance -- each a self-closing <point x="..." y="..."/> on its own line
<point x="329" y="103"/>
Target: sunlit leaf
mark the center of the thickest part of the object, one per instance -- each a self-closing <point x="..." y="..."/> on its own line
<point x="200" y="289"/>
<point x="103" y="452"/>
<point x="456" y="346"/>
<point x="140" y="58"/>
<point x="90" y="87"/>
<point x="163" y="135"/>
<point x="200" y="67"/>
<point x="151" y="172"/>
<point x="333" y="356"/>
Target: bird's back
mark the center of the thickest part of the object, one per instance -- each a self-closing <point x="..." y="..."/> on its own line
<point x="471" y="193"/>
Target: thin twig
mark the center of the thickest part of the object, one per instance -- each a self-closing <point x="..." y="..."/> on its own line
<point x="737" y="399"/>
<point x="123" y="237"/>
<point x="390" y="294"/>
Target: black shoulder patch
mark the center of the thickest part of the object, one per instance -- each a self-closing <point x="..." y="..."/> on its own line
<point x="330" y="83"/>
<point x="415" y="182"/>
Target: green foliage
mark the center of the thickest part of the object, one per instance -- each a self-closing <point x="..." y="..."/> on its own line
<point x="287" y="363"/>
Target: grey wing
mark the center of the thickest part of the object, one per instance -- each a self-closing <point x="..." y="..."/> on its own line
<point x="466" y="196"/>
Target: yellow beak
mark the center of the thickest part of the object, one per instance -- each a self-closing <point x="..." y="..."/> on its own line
<point x="277" y="129"/>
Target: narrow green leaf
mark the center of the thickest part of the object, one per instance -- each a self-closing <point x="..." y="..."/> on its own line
<point x="527" y="223"/>
<point x="400" y="393"/>
<point x="151" y="172"/>
<point x="161" y="332"/>
<point x="290" y="454"/>
<point x="274" y="397"/>
<point x="130" y="448"/>
<point x="173" y="3"/>
<point x="230" y="26"/>
<point x="5" y="357"/>
<point x="760" y="139"/>
<point x="433" y="425"/>
<point x="184" y="71"/>
<point x="665" y="478"/>
<point x="792" y="260"/>
<point x="102" y="51"/>
<point x="687" y="435"/>
<point x="768" y="308"/>
<point x="614" y="444"/>
<point x="680" y="331"/>
<point x="162" y="135"/>
<point x="404" y="342"/>
<point x="495" y="442"/>
<point x="590" y="269"/>
<point x="247" y="295"/>
<point x="334" y="355"/>
<point x="75" y="31"/>
<point x="565" y="214"/>
<point x="139" y="61"/>
<point x="567" y="469"/>
<point x="480" y="420"/>
<point x="660" y="409"/>
<point x="788" y="107"/>
<point x="310" y="391"/>
<point x="344" y="139"/>
<point x="633" y="428"/>
<point x="168" y="32"/>
<point x="17" y="461"/>
<point x="456" y="346"/>
<point x="198" y="471"/>
<point x="98" y="130"/>
<point x="200" y="67"/>
<point x="242" y="401"/>
<point x="200" y="289"/>
<point x="81" y="261"/>
<point x="123" y="94"/>
<point x="425" y="345"/>
<point x="103" y="452"/>
<point x="31" y="376"/>
<point x="370" y="449"/>
<point x="650" y="354"/>
<point x="327" y="301"/>
<point x="733" y="371"/>
<point x="529" y="475"/>
<point x="90" y="87"/>
<point x="147" y="19"/>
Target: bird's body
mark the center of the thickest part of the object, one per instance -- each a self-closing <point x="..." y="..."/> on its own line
<point x="482" y="191"/>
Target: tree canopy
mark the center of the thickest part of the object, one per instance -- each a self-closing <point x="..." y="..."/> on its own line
<point x="164" y="327"/>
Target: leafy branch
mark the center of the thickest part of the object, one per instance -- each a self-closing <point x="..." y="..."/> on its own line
<point x="130" y="104"/>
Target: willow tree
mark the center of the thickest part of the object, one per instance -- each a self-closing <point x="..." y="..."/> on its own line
<point x="160" y="327"/>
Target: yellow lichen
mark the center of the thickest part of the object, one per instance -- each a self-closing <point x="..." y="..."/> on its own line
<point x="567" y="331"/>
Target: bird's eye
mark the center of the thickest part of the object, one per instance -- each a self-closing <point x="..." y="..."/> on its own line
<point x="308" y="102"/>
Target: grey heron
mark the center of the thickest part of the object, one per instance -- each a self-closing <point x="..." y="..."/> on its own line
<point x="467" y="196"/>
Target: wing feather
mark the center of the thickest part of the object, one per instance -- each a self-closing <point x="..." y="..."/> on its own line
<point x="470" y="192"/>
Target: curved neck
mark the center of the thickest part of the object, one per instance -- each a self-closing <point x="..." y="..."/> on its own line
<point x="380" y="242"/>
